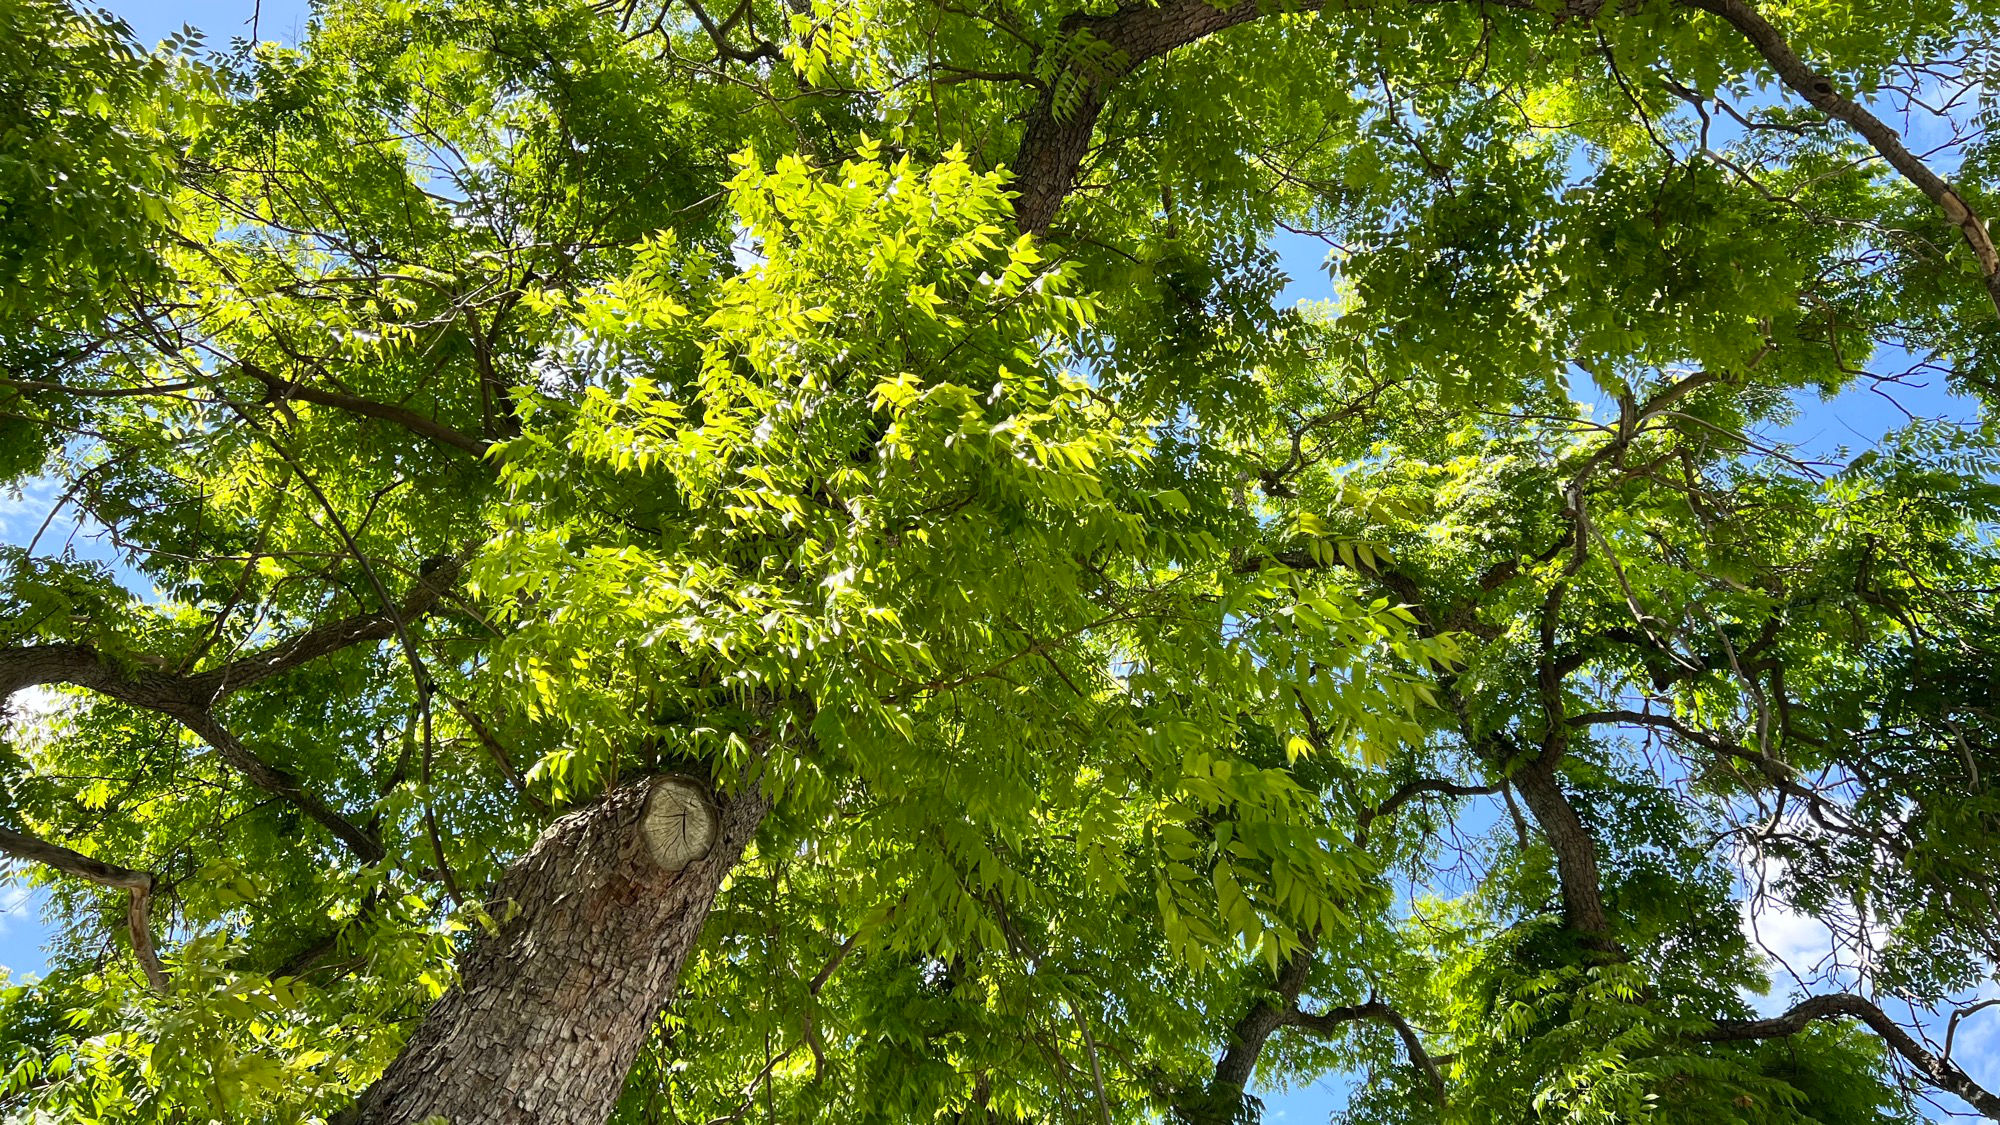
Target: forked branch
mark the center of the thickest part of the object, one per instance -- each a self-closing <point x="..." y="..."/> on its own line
<point x="1330" y="1021"/>
<point x="191" y="699"/>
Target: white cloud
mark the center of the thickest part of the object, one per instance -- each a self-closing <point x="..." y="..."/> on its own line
<point x="1787" y="935"/>
<point x="24" y="507"/>
<point x="1806" y="955"/>
<point x="1803" y="951"/>
<point x="16" y="905"/>
<point x="1976" y="1047"/>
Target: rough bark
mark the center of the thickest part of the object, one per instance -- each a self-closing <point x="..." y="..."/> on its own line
<point x="552" y="1007"/>
<point x="1576" y="854"/>
<point x="1102" y="48"/>
<point x="1052" y="149"/>
<point x="1223" y="1100"/>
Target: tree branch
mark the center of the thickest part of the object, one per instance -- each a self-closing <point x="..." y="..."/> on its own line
<point x="1331" y="1021"/>
<point x="1942" y="1073"/>
<point x="1780" y="775"/>
<point x="282" y="389"/>
<point x="1099" y="50"/>
<point x="1818" y="89"/>
<point x="273" y="779"/>
<point x="82" y="666"/>
<point x="1102" y="49"/>
<point x="190" y="700"/>
<point x="1411" y="790"/>
<point x="216" y="683"/>
<point x="1223" y="1100"/>
<point x="1576" y="854"/>
<point x="138" y="884"/>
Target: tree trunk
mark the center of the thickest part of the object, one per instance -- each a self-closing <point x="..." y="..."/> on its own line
<point x="1576" y="855"/>
<point x="1222" y="1102"/>
<point x="594" y="924"/>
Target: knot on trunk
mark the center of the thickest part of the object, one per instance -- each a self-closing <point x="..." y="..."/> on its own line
<point x="679" y="824"/>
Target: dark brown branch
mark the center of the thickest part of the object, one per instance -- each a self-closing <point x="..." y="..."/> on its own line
<point x="282" y="389"/>
<point x="1941" y="1072"/>
<point x="138" y="884"/>
<point x="833" y="964"/>
<point x="1332" y="1021"/>
<point x="320" y="640"/>
<point x="1411" y="790"/>
<point x="190" y="700"/>
<point x="84" y="667"/>
<point x="1775" y="771"/>
<point x="277" y="781"/>
<point x="1819" y="90"/>
<point x="1224" y="1096"/>
<point x="1576" y="854"/>
<point x="1701" y="101"/>
<point x="719" y="35"/>
<point x="1099" y="50"/>
<point x="1103" y="49"/>
<point x="495" y="750"/>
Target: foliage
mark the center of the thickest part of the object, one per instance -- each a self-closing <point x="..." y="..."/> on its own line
<point x="487" y="404"/>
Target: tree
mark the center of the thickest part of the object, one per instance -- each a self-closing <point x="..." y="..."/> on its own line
<point x="785" y="561"/>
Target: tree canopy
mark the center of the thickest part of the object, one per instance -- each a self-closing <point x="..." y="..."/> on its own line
<point x="672" y="564"/>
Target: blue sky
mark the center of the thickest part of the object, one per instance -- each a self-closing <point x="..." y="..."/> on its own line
<point x="21" y="928"/>
<point x="219" y="20"/>
<point x="1853" y="421"/>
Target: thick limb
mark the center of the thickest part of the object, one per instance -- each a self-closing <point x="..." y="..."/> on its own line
<point x="593" y="926"/>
